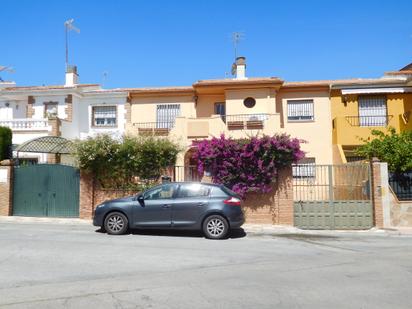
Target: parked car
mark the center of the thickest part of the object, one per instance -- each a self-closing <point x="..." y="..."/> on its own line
<point x="214" y="209"/>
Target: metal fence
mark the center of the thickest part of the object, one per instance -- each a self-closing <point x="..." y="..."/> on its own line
<point x="331" y="182"/>
<point x="369" y="121"/>
<point x="401" y="185"/>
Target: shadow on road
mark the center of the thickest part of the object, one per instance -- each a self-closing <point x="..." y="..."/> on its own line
<point x="237" y="233"/>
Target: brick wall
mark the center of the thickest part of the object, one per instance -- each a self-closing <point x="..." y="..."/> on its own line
<point x="6" y="187"/>
<point x="30" y="108"/>
<point x="92" y="195"/>
<point x="377" y="193"/>
<point x="275" y="207"/>
<point x="69" y="107"/>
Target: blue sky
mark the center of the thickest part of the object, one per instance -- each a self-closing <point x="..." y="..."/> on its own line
<point x="162" y="43"/>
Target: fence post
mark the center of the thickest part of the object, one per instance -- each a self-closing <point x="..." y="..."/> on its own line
<point x="6" y="188"/>
<point x="284" y="196"/>
<point x="86" y="202"/>
<point x="377" y="193"/>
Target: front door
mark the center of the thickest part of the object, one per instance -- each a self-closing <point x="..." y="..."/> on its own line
<point x="192" y="200"/>
<point x="156" y="208"/>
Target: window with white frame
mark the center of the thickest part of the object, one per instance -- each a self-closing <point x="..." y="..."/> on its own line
<point x="304" y="169"/>
<point x="166" y="115"/>
<point x="300" y="110"/>
<point x="104" y="116"/>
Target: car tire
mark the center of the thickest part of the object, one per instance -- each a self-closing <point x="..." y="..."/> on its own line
<point x="215" y="227"/>
<point x="116" y="223"/>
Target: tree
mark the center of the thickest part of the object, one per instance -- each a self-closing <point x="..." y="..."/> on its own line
<point x="393" y="148"/>
<point x="5" y="143"/>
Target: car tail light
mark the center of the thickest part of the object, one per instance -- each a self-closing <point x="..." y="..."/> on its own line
<point x="232" y="201"/>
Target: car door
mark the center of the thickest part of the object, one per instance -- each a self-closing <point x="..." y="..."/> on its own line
<point x="155" y="209"/>
<point x="191" y="201"/>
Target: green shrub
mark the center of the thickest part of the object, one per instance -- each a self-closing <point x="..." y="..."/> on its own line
<point x="393" y="148"/>
<point x="129" y="162"/>
<point x="5" y="143"/>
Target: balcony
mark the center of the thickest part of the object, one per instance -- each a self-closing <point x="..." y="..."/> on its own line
<point x="28" y="124"/>
<point x="236" y="126"/>
<point x="153" y="128"/>
<point x="351" y="130"/>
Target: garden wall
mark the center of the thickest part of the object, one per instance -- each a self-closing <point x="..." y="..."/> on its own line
<point x="275" y="207"/>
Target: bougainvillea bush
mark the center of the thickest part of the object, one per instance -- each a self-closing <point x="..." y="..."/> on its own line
<point x="247" y="165"/>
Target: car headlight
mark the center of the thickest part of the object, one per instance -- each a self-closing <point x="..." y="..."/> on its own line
<point x="100" y="206"/>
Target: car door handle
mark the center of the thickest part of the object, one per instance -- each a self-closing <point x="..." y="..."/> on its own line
<point x="166" y="206"/>
<point x="200" y="204"/>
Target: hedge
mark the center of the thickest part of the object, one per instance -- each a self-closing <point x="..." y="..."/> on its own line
<point x="5" y="143"/>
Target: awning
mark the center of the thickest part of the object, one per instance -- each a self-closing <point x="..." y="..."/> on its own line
<point x="376" y="90"/>
<point x="47" y="144"/>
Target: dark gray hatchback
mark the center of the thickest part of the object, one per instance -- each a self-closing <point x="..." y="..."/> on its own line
<point x="214" y="209"/>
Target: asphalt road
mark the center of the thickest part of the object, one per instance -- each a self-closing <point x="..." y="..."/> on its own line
<point x="73" y="266"/>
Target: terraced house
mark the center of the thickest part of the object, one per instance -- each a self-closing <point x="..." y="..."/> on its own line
<point x="238" y="107"/>
<point x="358" y="106"/>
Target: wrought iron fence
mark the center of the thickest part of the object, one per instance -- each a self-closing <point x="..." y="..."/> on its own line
<point x="401" y="185"/>
<point x="186" y="173"/>
<point x="331" y="182"/>
<point x="369" y="121"/>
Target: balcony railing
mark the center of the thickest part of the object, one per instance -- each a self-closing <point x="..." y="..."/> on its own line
<point x="369" y="121"/>
<point x="25" y="124"/>
<point x="154" y="128"/>
<point x="245" y="121"/>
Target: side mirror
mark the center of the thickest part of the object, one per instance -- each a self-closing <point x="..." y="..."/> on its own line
<point x="140" y="198"/>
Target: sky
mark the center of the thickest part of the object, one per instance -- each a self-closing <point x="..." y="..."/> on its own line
<point x="175" y="43"/>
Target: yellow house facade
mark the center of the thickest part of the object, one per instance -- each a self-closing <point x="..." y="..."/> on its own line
<point x="360" y="106"/>
<point x="238" y="107"/>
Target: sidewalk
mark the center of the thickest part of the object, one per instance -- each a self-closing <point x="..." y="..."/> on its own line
<point x="253" y="229"/>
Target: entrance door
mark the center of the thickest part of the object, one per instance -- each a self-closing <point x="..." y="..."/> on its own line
<point x="45" y="190"/>
<point x="372" y="111"/>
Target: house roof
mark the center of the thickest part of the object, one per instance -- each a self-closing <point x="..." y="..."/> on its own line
<point x="230" y="81"/>
<point x="51" y="87"/>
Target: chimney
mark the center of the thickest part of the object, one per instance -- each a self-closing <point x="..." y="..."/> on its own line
<point x="239" y="68"/>
<point x="71" y="76"/>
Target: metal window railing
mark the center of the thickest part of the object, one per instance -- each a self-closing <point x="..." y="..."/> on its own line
<point x="245" y="121"/>
<point x="369" y="121"/>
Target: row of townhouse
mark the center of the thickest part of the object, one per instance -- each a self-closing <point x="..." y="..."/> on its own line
<point x="331" y="116"/>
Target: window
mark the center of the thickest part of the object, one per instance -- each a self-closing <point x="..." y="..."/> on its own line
<point x="372" y="111"/>
<point x="166" y="115"/>
<point x="300" y="110"/>
<point x="161" y="192"/>
<point x="104" y="116"/>
<point x="193" y="190"/>
<point x="249" y="102"/>
<point x="50" y="109"/>
<point x="304" y="169"/>
<point x="220" y="109"/>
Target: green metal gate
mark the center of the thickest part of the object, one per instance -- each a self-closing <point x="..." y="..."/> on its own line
<point x="46" y="190"/>
<point x="332" y="196"/>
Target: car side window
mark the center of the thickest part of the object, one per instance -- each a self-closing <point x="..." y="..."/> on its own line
<point x="161" y="192"/>
<point x="193" y="190"/>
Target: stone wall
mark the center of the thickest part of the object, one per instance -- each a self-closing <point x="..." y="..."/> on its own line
<point x="400" y="212"/>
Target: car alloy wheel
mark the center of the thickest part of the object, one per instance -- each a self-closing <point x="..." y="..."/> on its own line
<point x="215" y="227"/>
<point x="116" y="223"/>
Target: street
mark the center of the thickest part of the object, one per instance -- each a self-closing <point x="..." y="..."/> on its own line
<point x="76" y="266"/>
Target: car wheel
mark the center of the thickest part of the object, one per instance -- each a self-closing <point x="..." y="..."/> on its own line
<point x="116" y="223"/>
<point x="215" y="227"/>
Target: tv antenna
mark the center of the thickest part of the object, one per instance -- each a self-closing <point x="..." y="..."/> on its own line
<point x="68" y="26"/>
<point x="7" y="69"/>
<point x="236" y="38"/>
